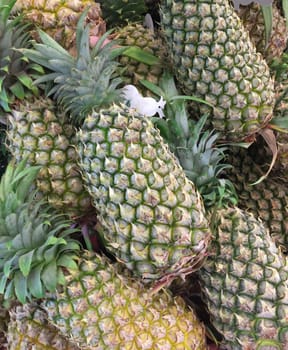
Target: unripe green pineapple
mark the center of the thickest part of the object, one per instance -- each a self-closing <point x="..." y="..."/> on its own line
<point x="245" y="283"/>
<point x="214" y="59"/>
<point x="29" y="329"/>
<point x="244" y="277"/>
<point x="253" y="21"/>
<point x="267" y="200"/>
<point x="151" y="216"/>
<point x="44" y="135"/>
<point x="103" y="307"/>
<point x="151" y="42"/>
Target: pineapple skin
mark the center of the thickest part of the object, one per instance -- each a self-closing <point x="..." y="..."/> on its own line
<point x="268" y="199"/>
<point x="152" y="42"/>
<point x="245" y="284"/>
<point x="103" y="307"/>
<point x="151" y="216"/>
<point x="39" y="131"/>
<point x="29" y="329"/>
<point x="59" y="18"/>
<point x="253" y="21"/>
<point x="214" y="59"/>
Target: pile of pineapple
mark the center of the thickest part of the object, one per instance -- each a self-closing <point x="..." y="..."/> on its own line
<point x="144" y="188"/>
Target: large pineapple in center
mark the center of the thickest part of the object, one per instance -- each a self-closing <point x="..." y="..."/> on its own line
<point x="214" y="59"/>
<point x="150" y="215"/>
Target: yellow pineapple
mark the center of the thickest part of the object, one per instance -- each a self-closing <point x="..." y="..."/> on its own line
<point x="59" y="18"/>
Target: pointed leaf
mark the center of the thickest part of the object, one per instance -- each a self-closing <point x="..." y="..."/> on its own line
<point x="34" y="282"/>
<point x="267" y="11"/>
<point x="17" y="90"/>
<point x="20" y="285"/>
<point x="285" y="10"/>
<point x="25" y="262"/>
<point x="49" y="276"/>
<point x="141" y="55"/>
<point x="3" y="282"/>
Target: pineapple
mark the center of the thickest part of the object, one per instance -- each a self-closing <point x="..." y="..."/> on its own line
<point x="214" y="59"/>
<point x="244" y="278"/>
<point x="253" y="21"/>
<point x="35" y="241"/>
<point x="122" y="12"/>
<point x="103" y="307"/>
<point x="267" y="200"/>
<point x="150" y="215"/>
<point x="245" y="282"/>
<point x="29" y="329"/>
<point x="44" y="135"/>
<point x="59" y="18"/>
<point x="148" y="40"/>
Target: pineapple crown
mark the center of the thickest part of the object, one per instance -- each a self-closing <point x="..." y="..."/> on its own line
<point x="88" y="81"/>
<point x="82" y="83"/>
<point x="197" y="150"/>
<point x="35" y="241"/>
<point x="16" y="72"/>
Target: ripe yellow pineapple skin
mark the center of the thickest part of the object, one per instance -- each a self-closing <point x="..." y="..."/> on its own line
<point x="59" y="18"/>
<point x="103" y="308"/>
<point x="29" y="329"/>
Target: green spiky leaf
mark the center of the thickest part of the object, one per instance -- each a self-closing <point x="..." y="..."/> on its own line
<point x="267" y="11"/>
<point x="25" y="262"/>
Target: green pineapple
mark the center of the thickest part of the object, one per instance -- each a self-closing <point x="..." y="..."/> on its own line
<point x="150" y="41"/>
<point x="245" y="283"/>
<point x="35" y="242"/>
<point x="122" y="12"/>
<point x="244" y="278"/>
<point x="29" y="329"/>
<point x="214" y="59"/>
<point x="267" y="200"/>
<point x="103" y="307"/>
<point x="150" y="214"/>
<point x="38" y="131"/>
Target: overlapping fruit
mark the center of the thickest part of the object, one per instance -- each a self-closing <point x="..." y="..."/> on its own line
<point x="136" y="209"/>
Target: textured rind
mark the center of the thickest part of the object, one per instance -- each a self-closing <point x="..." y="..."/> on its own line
<point x="267" y="200"/>
<point x="29" y="329"/>
<point x="152" y="217"/>
<point x="253" y="21"/>
<point x="41" y="133"/>
<point x="214" y="59"/>
<point x="149" y="41"/>
<point x="103" y="308"/>
<point x="245" y="281"/>
<point x="59" y="18"/>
